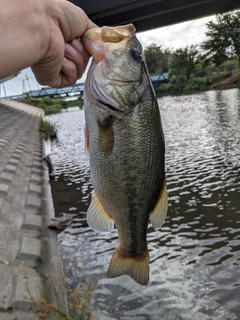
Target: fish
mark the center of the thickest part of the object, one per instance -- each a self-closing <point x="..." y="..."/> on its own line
<point x="124" y="140"/>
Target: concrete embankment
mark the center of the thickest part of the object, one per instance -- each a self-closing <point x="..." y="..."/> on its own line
<point x="25" y="209"/>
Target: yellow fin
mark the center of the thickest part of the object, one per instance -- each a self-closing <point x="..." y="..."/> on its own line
<point x="98" y="219"/>
<point x="158" y="215"/>
<point x="86" y="134"/>
<point x="106" y="135"/>
<point x="136" y="267"/>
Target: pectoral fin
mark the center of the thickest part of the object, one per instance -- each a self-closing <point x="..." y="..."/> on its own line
<point x="98" y="219"/>
<point x="106" y="135"/>
<point x="158" y="215"/>
<point x="86" y="134"/>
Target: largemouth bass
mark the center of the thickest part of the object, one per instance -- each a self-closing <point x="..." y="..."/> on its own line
<point x="125" y="143"/>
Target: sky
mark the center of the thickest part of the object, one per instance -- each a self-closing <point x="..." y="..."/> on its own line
<point x="176" y="36"/>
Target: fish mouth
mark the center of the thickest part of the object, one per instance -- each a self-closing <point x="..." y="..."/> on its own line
<point x="97" y="40"/>
<point x="110" y="107"/>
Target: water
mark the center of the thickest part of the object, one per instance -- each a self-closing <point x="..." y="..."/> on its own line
<point x="195" y="257"/>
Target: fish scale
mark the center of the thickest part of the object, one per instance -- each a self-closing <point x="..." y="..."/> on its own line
<point x="125" y="143"/>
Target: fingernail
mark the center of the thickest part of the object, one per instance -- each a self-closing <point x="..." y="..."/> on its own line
<point x="65" y="60"/>
<point x="70" y="51"/>
<point x="77" y="44"/>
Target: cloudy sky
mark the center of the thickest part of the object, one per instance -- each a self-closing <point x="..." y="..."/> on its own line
<point x="175" y="36"/>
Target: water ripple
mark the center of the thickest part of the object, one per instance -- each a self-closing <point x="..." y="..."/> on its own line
<point x="195" y="257"/>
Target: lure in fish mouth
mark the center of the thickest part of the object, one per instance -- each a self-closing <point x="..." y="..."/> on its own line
<point x="125" y="143"/>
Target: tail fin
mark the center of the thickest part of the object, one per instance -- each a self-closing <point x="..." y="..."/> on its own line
<point x="137" y="267"/>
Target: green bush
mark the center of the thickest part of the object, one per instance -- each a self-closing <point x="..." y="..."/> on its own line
<point x="196" y="84"/>
<point x="50" y="108"/>
<point x="217" y="76"/>
<point x="49" y="101"/>
<point x="165" y="88"/>
<point x="50" y="105"/>
<point x="73" y="103"/>
<point x="47" y="129"/>
<point x="56" y="108"/>
<point x="176" y="85"/>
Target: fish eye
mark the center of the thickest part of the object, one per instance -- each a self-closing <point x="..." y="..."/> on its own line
<point x="137" y="55"/>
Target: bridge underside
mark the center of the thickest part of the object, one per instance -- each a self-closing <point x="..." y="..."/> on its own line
<point x="150" y="14"/>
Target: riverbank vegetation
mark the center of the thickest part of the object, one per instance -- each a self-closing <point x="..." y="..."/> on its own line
<point x="47" y="129"/>
<point x="214" y="64"/>
<point x="67" y="303"/>
<point x="51" y="106"/>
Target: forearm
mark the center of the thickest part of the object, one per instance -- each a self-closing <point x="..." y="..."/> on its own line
<point x="24" y="34"/>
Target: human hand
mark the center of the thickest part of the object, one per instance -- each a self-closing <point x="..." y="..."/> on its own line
<point x="65" y="59"/>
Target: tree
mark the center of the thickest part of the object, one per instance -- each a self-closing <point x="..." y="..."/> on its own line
<point x="223" y="38"/>
<point x="157" y="59"/>
<point x="182" y="62"/>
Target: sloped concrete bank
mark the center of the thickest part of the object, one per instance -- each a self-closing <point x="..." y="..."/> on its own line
<point x="25" y="208"/>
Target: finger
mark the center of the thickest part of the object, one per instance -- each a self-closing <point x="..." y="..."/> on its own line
<point x="47" y="73"/>
<point x="73" y="21"/>
<point x="77" y="44"/>
<point x="81" y="58"/>
<point x="78" y="55"/>
<point x="68" y="75"/>
<point x="71" y="69"/>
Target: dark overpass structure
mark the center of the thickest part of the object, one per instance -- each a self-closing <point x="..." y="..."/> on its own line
<point x="150" y="14"/>
<point x="76" y="89"/>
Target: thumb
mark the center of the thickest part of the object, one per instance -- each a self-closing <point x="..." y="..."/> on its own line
<point x="73" y="21"/>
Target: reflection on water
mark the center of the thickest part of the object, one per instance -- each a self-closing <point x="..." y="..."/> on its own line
<point x="195" y="257"/>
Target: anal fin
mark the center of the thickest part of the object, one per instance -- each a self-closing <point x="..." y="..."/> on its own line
<point x="137" y="267"/>
<point x="98" y="219"/>
<point x="158" y="215"/>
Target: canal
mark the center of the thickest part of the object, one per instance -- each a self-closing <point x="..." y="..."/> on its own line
<point x="195" y="257"/>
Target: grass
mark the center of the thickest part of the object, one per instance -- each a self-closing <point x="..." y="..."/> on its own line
<point x="51" y="106"/>
<point x="47" y="129"/>
<point x="78" y="304"/>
